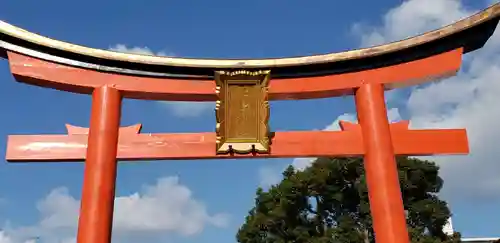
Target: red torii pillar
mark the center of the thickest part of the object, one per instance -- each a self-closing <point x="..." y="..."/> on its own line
<point x="386" y="204"/>
<point x="374" y="138"/>
<point x="96" y="218"/>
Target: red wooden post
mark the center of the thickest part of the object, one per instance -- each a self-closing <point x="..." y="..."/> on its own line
<point x="386" y="204"/>
<point x="96" y="211"/>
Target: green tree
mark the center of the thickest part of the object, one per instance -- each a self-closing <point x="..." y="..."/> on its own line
<point x="328" y="203"/>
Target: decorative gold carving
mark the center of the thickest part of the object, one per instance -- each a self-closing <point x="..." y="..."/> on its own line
<point x="242" y="111"/>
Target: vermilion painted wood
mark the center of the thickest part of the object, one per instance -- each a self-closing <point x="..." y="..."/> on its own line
<point x="47" y="74"/>
<point x="99" y="180"/>
<point x="382" y="179"/>
<point x="130" y="130"/>
<point x="26" y="148"/>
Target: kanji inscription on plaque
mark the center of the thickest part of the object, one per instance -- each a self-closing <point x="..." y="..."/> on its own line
<point x="242" y="111"/>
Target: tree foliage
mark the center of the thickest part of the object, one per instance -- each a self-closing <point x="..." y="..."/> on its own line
<point x="328" y="202"/>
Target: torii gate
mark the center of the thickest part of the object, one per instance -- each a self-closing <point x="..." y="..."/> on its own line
<point x="241" y="90"/>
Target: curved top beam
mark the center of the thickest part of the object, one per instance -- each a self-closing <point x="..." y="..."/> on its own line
<point x="80" y="80"/>
<point x="470" y="33"/>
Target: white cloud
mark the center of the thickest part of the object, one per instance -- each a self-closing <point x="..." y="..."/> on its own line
<point x="137" y="50"/>
<point x="187" y="109"/>
<point x="4" y="238"/>
<point x="468" y="100"/>
<point x="178" y="108"/>
<point x="411" y="18"/>
<point x="162" y="209"/>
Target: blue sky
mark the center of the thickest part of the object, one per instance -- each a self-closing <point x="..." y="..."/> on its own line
<point x="193" y="28"/>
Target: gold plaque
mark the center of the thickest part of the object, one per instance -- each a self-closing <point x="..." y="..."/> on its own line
<point x="242" y="111"/>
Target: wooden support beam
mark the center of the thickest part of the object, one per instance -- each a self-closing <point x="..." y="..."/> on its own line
<point x="62" y="77"/>
<point x="290" y="144"/>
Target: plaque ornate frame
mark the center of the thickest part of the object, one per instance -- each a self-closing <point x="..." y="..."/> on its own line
<point x="230" y="136"/>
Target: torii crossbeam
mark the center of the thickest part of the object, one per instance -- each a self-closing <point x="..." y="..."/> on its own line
<point x="171" y="146"/>
<point x="241" y="89"/>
